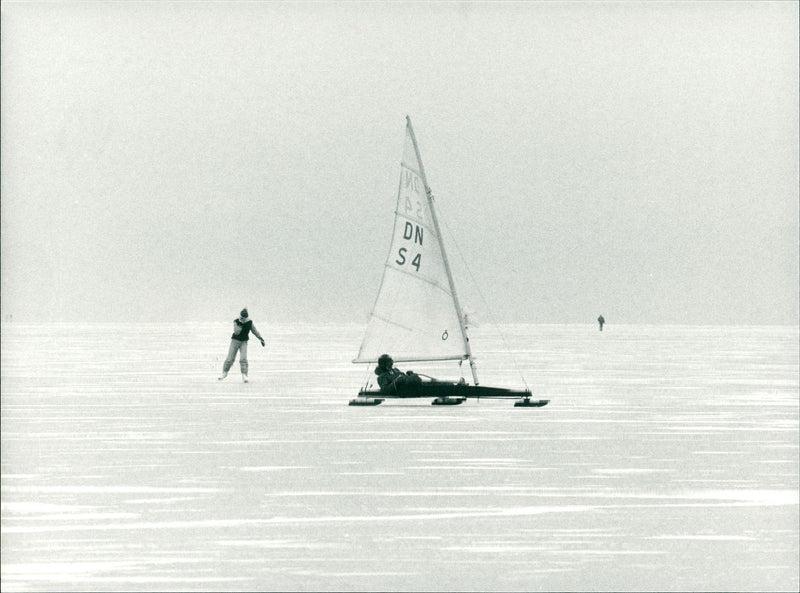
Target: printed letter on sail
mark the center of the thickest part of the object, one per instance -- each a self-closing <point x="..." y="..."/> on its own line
<point x="414" y="317"/>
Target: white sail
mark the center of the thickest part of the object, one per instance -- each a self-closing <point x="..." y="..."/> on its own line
<point x="416" y="316"/>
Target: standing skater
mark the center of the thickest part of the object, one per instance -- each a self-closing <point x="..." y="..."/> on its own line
<point x="601" y="321"/>
<point x="241" y="334"/>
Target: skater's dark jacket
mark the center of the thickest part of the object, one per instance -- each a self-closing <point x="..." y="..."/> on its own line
<point x="242" y="329"/>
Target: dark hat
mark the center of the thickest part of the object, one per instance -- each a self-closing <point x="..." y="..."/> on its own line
<point x="384" y="359"/>
<point x="243" y="313"/>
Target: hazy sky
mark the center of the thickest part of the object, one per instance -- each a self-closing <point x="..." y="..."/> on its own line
<point x="181" y="160"/>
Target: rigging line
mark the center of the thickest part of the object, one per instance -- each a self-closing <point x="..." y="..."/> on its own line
<point x="486" y="305"/>
<point x="367" y="377"/>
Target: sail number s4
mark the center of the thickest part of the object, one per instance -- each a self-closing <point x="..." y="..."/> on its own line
<point x="402" y="258"/>
<point x="412" y="233"/>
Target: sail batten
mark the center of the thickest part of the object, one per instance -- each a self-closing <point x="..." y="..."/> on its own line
<point x="427" y="226"/>
<point x="441" y="287"/>
<point x="412" y="169"/>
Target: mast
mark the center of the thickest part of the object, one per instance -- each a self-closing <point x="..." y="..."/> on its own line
<point x="429" y="194"/>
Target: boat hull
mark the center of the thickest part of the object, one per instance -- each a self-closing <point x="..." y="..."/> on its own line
<point x="447" y="392"/>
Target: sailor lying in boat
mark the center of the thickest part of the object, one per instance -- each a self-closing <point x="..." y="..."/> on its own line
<point x="392" y="380"/>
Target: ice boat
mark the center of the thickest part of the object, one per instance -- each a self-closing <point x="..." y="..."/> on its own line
<point x="417" y="316"/>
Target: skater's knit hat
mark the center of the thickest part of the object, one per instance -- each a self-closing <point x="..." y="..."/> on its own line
<point x="243" y="313"/>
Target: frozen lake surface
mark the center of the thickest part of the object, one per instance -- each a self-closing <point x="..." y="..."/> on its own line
<point x="667" y="460"/>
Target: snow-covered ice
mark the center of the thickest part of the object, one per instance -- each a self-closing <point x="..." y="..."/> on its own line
<point x="666" y="460"/>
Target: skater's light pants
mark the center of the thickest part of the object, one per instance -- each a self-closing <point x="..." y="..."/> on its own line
<point x="241" y="348"/>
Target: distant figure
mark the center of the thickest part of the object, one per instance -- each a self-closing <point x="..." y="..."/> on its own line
<point x="241" y="334"/>
<point x="601" y="321"/>
<point x="390" y="379"/>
